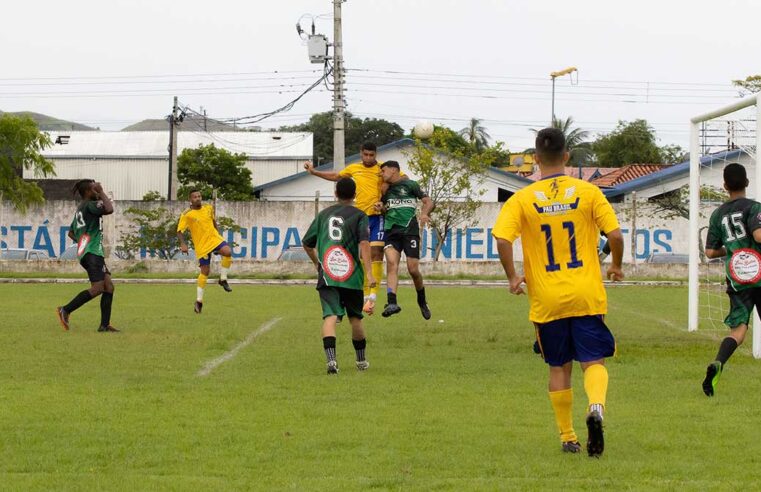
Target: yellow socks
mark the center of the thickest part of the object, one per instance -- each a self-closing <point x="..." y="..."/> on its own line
<point x="378" y="274"/>
<point x="596" y="386"/>
<point x="201" y="285"/>
<point x="562" y="404"/>
<point x="226" y="262"/>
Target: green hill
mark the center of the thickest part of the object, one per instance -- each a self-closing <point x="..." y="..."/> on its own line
<point x="50" y="124"/>
<point x="190" y="123"/>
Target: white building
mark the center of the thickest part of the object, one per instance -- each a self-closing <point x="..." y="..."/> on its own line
<point x="498" y="185"/>
<point x="130" y="164"/>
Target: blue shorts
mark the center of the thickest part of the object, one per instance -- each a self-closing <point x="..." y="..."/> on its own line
<point x="376" y="230"/>
<point x="206" y="260"/>
<point x="583" y="338"/>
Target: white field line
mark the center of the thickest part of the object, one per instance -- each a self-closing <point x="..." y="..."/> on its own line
<point x="714" y="335"/>
<point x="214" y="363"/>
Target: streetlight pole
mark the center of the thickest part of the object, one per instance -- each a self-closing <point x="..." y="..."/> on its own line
<point x="555" y="75"/>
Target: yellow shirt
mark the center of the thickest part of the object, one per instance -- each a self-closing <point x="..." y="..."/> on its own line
<point x="369" y="181"/>
<point x="559" y="220"/>
<point x="202" y="231"/>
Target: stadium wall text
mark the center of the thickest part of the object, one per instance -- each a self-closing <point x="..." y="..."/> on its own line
<point x="267" y="228"/>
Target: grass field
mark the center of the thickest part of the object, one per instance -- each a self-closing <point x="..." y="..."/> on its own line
<point x="456" y="405"/>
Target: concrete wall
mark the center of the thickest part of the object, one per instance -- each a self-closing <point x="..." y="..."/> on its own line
<point x="269" y="227"/>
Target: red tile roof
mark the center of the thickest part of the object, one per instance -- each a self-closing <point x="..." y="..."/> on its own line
<point x="626" y="173"/>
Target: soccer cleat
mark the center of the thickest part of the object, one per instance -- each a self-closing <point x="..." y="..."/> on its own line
<point x="391" y="309"/>
<point x="425" y="311"/>
<point x="225" y="285"/>
<point x="108" y="329"/>
<point x="369" y="307"/>
<point x="197" y="307"/>
<point x="332" y="367"/>
<point x="712" y="378"/>
<point x="63" y="317"/>
<point x="571" y="447"/>
<point x="595" y="439"/>
<point x="362" y="365"/>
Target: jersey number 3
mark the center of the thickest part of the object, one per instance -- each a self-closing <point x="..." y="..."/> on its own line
<point x="552" y="266"/>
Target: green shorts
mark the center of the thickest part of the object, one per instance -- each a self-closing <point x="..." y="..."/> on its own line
<point x="337" y="301"/>
<point x="741" y="306"/>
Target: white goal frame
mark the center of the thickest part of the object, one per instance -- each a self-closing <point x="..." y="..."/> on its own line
<point x="694" y="234"/>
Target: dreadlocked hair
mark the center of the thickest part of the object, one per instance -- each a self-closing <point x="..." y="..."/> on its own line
<point x="81" y="186"/>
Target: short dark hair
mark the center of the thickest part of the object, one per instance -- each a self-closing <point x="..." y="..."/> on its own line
<point x="550" y="145"/>
<point x="346" y="188"/>
<point x="735" y="177"/>
<point x="81" y="186"/>
<point x="393" y="164"/>
<point x="368" y="146"/>
<point x="194" y="190"/>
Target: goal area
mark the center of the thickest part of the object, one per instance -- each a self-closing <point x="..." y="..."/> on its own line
<point x="728" y="134"/>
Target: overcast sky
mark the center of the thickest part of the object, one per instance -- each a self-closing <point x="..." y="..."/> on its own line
<point x="113" y="63"/>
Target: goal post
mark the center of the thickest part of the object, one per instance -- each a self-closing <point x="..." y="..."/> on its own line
<point x="694" y="206"/>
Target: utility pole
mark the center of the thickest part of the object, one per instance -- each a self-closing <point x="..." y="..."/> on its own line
<point x="174" y="121"/>
<point x="338" y="95"/>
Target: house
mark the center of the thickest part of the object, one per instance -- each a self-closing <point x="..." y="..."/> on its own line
<point x="132" y="163"/>
<point x="672" y="178"/>
<point x="499" y="185"/>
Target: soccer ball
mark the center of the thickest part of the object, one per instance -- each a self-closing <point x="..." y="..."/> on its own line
<point x="423" y="129"/>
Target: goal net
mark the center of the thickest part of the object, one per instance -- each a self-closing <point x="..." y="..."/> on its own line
<point x="727" y="135"/>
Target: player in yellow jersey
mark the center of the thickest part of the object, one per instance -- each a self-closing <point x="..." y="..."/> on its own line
<point x="367" y="176"/>
<point x="199" y="219"/>
<point x="559" y="220"/>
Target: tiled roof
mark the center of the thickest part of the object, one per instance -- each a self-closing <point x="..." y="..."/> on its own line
<point x="627" y="173"/>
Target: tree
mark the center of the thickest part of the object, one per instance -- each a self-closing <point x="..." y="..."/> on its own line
<point x="673" y="154"/>
<point x="452" y="178"/>
<point x="209" y="168"/>
<point x="751" y="85"/>
<point x="21" y="144"/>
<point x="676" y="203"/>
<point x="576" y="140"/>
<point x="476" y="135"/>
<point x="356" y="133"/>
<point x="628" y="143"/>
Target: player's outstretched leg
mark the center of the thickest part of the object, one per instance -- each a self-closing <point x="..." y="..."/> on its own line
<point x="413" y="267"/>
<point x="203" y="277"/>
<point x="329" y="342"/>
<point x="726" y="349"/>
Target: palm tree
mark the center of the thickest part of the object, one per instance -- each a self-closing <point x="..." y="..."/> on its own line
<point x="475" y="134"/>
<point x="576" y="141"/>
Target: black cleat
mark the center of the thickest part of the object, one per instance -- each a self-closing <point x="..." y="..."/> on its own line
<point x="391" y="309"/>
<point x="225" y="285"/>
<point x="712" y="378"/>
<point x="197" y="307"/>
<point x="595" y="439"/>
<point x="425" y="311"/>
<point x="332" y="367"/>
<point x="571" y="447"/>
<point x="63" y="317"/>
<point x="108" y="329"/>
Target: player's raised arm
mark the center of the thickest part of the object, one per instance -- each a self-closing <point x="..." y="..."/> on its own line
<point x="426" y="210"/>
<point x="329" y="175"/>
<point x="616" y="242"/>
<point x="108" y="206"/>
